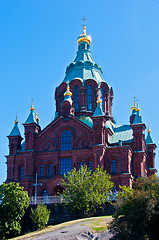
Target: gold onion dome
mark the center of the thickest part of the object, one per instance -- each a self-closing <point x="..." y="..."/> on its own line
<point x="68" y="93"/>
<point x="36" y="117"/>
<point x="16" y="121"/>
<point x="84" y="37"/>
<point x="138" y="109"/>
<point x="99" y="101"/>
<point x="134" y="108"/>
<point x="32" y="108"/>
<point x="148" y="130"/>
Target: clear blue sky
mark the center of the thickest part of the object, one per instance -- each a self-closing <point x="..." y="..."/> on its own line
<point x="38" y="41"/>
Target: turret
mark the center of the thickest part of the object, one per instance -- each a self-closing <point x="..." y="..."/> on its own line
<point x="32" y="128"/>
<point x="138" y="128"/>
<point x="99" y="122"/>
<point x="66" y="106"/>
<point x="151" y="146"/>
<point x="14" y="139"/>
<point x="134" y="112"/>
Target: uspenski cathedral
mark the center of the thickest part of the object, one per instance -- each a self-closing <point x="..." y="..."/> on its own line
<point x="83" y="132"/>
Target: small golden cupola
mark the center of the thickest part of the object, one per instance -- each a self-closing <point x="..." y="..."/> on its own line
<point x="84" y="37"/>
<point x="134" y="108"/>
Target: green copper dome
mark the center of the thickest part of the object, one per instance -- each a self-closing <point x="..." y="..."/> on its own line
<point x="84" y="67"/>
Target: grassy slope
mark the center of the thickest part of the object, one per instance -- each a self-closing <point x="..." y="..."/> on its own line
<point x="96" y="224"/>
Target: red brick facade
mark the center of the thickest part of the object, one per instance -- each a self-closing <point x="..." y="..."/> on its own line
<point x="91" y="136"/>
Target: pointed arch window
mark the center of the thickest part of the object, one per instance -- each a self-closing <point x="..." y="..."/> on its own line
<point x="50" y="170"/>
<point x="89" y="97"/>
<point x="66" y="140"/>
<point x="41" y="170"/>
<point x="21" y="172"/>
<point x="114" y="166"/>
<point x="76" y="93"/>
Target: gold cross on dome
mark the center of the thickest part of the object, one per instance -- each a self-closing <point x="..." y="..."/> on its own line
<point x="84" y="19"/>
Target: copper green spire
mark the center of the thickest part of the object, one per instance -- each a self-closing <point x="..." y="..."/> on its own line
<point x="15" y="131"/>
<point x="149" y="138"/>
<point x="31" y="118"/>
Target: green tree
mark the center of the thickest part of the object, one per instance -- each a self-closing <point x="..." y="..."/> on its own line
<point x="14" y="202"/>
<point x="85" y="191"/>
<point x="137" y="211"/>
<point x="40" y="216"/>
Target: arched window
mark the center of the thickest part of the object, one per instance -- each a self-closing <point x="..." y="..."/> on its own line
<point x="50" y="170"/>
<point x="113" y="166"/>
<point x="90" y="165"/>
<point x="21" y="172"/>
<point x="66" y="140"/>
<point x="81" y="164"/>
<point x="41" y="170"/>
<point x="76" y="97"/>
<point x="101" y="91"/>
<point x="89" y="97"/>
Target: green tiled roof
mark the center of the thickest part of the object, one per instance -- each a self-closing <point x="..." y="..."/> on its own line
<point x="123" y="133"/>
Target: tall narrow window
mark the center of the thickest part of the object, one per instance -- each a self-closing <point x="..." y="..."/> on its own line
<point x="21" y="172"/>
<point x="90" y="165"/>
<point x="101" y="91"/>
<point x="66" y="140"/>
<point x="55" y="170"/>
<point x="81" y="164"/>
<point x="41" y="170"/>
<point x="113" y="166"/>
<point x="76" y="97"/>
<point x="89" y="97"/>
<point x="65" y="166"/>
<point x="50" y="170"/>
<point x="44" y="196"/>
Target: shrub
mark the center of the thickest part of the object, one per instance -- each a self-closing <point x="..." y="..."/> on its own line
<point x="14" y="202"/>
<point x="40" y="216"/>
<point x="86" y="191"/>
<point x="137" y="211"/>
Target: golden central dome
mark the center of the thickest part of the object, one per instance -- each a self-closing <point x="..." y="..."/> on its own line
<point x="84" y="37"/>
